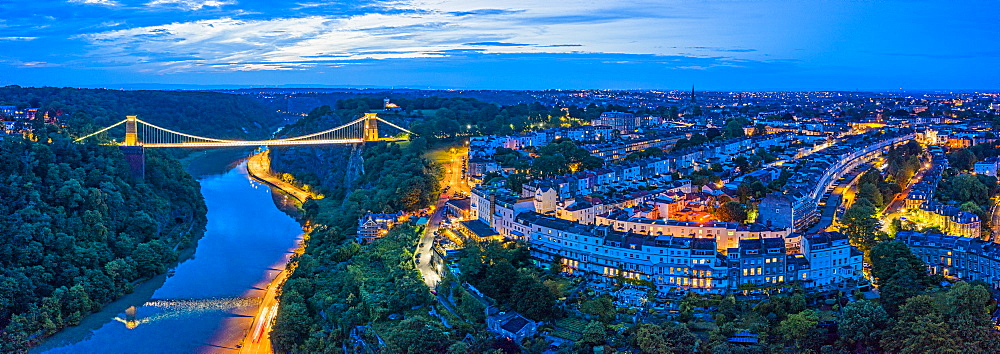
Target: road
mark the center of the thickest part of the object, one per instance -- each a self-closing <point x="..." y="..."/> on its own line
<point x="450" y="159"/>
<point x="827" y="219"/>
<point x="258" y="339"/>
<point x="259" y="166"/>
<point x="996" y="219"/>
<point x="894" y="209"/>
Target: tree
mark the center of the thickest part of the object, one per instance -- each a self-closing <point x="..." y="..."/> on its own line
<point x="967" y="308"/>
<point x="963" y="160"/>
<point x="670" y="338"/>
<point x="731" y="212"/>
<point x="712" y="133"/>
<point x="899" y="272"/>
<point x="733" y="129"/>
<point x="862" y="324"/>
<point x="920" y="329"/>
<point x="798" y="326"/>
<point x="861" y="226"/>
<point x="600" y="306"/>
<point x="594" y="334"/>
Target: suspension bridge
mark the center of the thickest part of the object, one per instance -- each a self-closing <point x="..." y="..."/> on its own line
<point x="145" y="134"/>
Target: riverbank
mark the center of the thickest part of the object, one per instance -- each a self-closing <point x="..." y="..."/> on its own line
<point x="208" y="302"/>
<point x="259" y="167"/>
<point x="257" y="339"/>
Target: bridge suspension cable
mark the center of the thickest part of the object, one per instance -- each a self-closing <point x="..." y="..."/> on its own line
<point x="100" y="131"/>
<point x="139" y="132"/>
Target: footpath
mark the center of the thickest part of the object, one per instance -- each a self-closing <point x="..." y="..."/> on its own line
<point x="259" y="167"/>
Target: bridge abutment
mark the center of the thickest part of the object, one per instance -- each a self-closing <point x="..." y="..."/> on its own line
<point x="135" y="156"/>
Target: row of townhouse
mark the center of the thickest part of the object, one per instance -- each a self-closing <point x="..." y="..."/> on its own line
<point x="727" y="234"/>
<point x="689" y="262"/>
<point x="950" y="219"/>
<point x="614" y="151"/>
<point x="796" y="206"/>
<point x="539" y="138"/>
<point x="586" y="182"/>
<point x="923" y="191"/>
<point x="956" y="256"/>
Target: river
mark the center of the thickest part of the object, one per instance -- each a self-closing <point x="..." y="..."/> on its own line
<point x="206" y="303"/>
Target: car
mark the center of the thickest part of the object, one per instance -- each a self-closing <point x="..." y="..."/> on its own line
<point x="421" y="245"/>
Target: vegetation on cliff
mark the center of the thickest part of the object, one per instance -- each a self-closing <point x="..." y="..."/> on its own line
<point x="78" y="231"/>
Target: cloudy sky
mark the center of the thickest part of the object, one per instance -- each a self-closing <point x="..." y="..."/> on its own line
<point x="503" y="44"/>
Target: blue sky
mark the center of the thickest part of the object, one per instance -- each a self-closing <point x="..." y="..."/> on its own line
<point x="509" y="44"/>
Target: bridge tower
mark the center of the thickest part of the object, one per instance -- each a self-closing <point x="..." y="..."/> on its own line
<point x="134" y="153"/>
<point x="371" y="127"/>
<point x="131" y="137"/>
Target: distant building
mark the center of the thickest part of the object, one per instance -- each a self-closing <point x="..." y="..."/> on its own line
<point x="988" y="167"/>
<point x="955" y="256"/>
<point x="775" y="210"/>
<point x="512" y="325"/>
<point x="620" y="121"/>
<point x="389" y="106"/>
<point x="373" y="226"/>
<point x="950" y="219"/>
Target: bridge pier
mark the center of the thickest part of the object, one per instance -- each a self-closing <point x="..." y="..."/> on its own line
<point x="135" y="156"/>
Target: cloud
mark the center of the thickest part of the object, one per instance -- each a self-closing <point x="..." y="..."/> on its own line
<point x="410" y="29"/>
<point x="96" y="2"/>
<point x="18" y="38"/>
<point x="189" y="5"/>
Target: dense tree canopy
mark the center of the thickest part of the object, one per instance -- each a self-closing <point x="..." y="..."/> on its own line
<point x="217" y="115"/>
<point x="78" y="230"/>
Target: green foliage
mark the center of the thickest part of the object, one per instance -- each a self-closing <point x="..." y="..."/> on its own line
<point x="963" y="160"/>
<point x="903" y="162"/>
<point x="650" y="152"/>
<point x="559" y="156"/>
<point x="78" y="230"/>
<point x="861" y="226"/>
<point x="504" y="272"/>
<point x="602" y="307"/>
<point x="731" y="212"/>
<point x="963" y="188"/>
<point x="862" y="325"/>
<point x="217" y="115"/>
<point x="945" y="322"/>
<point x="331" y="295"/>
<point x="668" y="338"/>
<point x="899" y="272"/>
<point x="733" y="129"/>
<point x="696" y="139"/>
<point x="798" y="326"/>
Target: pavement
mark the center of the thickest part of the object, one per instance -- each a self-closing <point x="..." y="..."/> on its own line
<point x="259" y="167"/>
<point x="996" y="219"/>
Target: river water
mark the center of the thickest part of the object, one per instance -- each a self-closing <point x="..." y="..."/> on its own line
<point x="206" y="303"/>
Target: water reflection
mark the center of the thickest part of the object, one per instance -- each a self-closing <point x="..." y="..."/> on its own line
<point x="208" y="301"/>
<point x="178" y="308"/>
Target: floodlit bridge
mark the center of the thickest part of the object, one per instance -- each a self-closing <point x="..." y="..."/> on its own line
<point x="145" y="134"/>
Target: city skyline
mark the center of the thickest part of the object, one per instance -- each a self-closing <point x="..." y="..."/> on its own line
<point x="518" y="45"/>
